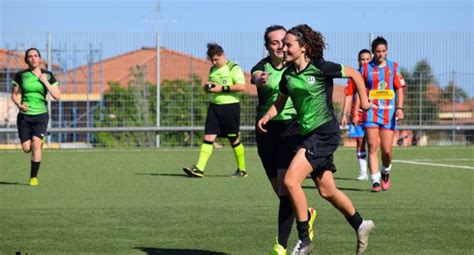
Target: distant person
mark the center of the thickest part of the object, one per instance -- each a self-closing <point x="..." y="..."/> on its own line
<point x="226" y="81"/>
<point x="29" y="91"/>
<point x="356" y="131"/>
<point x="308" y="81"/>
<point x="278" y="145"/>
<point x="385" y="89"/>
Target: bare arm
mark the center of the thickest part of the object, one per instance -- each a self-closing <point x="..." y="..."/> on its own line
<point x="360" y="86"/>
<point x="399" y="108"/>
<point x="274" y="110"/>
<point x="16" y="98"/>
<point x="345" y="109"/>
<point x="53" y="90"/>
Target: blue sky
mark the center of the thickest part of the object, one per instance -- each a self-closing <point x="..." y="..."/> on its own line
<point x="237" y="15"/>
<point x="402" y="22"/>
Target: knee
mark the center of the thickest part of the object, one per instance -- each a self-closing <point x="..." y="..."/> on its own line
<point x="290" y="184"/>
<point x="327" y="193"/>
<point x="26" y="149"/>
<point x="372" y="147"/>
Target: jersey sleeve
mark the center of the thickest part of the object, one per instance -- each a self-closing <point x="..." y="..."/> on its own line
<point x="398" y="80"/>
<point x="332" y="70"/>
<point x="349" y="89"/>
<point x="17" y="80"/>
<point x="52" y="80"/>
<point x="259" y="67"/>
<point x="237" y="75"/>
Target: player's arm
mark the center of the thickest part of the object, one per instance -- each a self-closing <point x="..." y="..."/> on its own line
<point x="259" y="78"/>
<point x="360" y="86"/>
<point x="16" y="98"/>
<point x="399" y="84"/>
<point x="274" y="110"/>
<point x="399" y="104"/>
<point x="51" y="85"/>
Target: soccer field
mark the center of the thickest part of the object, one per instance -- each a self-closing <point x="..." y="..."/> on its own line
<point x="140" y="202"/>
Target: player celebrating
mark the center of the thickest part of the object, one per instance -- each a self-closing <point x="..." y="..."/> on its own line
<point x="29" y="91"/>
<point x="356" y="130"/>
<point x="278" y="145"/>
<point x="308" y="81"/>
<point x="226" y="80"/>
<point x="385" y="87"/>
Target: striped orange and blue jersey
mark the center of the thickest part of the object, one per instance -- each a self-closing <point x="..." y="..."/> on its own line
<point x="381" y="84"/>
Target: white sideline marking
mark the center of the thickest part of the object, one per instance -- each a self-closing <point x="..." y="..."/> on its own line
<point x="432" y="164"/>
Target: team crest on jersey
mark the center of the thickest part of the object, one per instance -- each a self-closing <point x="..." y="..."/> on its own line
<point x="224" y="82"/>
<point x="311" y="80"/>
<point x="382" y="85"/>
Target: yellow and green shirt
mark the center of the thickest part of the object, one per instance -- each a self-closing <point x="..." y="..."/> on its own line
<point x="226" y="75"/>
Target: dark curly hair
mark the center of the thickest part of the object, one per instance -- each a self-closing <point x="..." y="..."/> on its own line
<point x="313" y="40"/>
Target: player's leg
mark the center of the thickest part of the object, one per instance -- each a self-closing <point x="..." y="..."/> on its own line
<point x="386" y="145"/>
<point x="361" y="156"/>
<point x="373" y="142"/>
<point x="297" y="172"/>
<point x="39" y="124"/>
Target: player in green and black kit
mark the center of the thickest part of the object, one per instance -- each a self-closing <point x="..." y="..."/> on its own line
<point x="226" y="81"/>
<point x="30" y="88"/>
<point x="308" y="81"/>
<point x="278" y="145"/>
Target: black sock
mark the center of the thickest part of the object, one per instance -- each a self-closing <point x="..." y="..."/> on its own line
<point x="303" y="231"/>
<point x="355" y="220"/>
<point x="34" y="168"/>
<point x="285" y="220"/>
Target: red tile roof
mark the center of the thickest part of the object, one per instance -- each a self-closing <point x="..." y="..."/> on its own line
<point x="174" y="65"/>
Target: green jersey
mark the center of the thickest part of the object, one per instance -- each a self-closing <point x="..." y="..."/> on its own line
<point x="311" y="92"/>
<point x="226" y="75"/>
<point x="267" y="94"/>
<point x="33" y="92"/>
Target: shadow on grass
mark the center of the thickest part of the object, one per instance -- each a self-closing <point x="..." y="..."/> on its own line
<point x="340" y="188"/>
<point x="344" y="178"/>
<point x="183" y="175"/>
<point x="171" y="251"/>
<point x="13" y="183"/>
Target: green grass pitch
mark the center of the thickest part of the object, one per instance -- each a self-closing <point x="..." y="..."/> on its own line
<point x="140" y="202"/>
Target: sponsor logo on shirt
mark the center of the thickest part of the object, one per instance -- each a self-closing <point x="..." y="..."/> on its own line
<point x="311" y="80"/>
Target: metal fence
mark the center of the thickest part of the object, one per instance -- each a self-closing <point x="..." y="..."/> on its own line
<point x="110" y="98"/>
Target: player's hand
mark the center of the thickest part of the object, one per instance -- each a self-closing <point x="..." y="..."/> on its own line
<point x="399" y="114"/>
<point x="262" y="122"/>
<point x="365" y="105"/>
<point x="343" y="121"/>
<point x="263" y="78"/>
<point x="355" y="119"/>
<point x="43" y="78"/>
<point x="23" y="107"/>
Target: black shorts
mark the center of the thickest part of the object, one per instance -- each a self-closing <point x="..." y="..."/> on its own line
<point x="320" y="146"/>
<point x="31" y="125"/>
<point x="223" y="120"/>
<point x="278" y="146"/>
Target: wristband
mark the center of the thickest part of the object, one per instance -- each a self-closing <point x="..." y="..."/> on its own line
<point x="399" y="108"/>
<point x="226" y="89"/>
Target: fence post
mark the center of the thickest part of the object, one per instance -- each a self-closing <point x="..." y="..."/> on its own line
<point x="453" y="100"/>
<point x="48" y="59"/>
<point x="158" y="87"/>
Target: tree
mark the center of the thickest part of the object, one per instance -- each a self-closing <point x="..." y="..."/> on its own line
<point x="460" y="96"/>
<point x="415" y="94"/>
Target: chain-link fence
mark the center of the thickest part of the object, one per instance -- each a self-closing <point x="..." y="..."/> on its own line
<point x="110" y="97"/>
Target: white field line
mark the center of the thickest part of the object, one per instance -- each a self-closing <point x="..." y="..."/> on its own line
<point x="432" y="164"/>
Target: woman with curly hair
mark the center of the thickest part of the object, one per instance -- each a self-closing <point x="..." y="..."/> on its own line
<point x="308" y="81"/>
